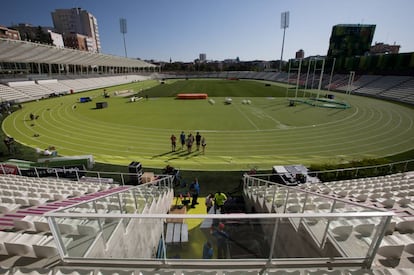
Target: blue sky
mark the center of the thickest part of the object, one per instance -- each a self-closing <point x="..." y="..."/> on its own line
<point x="248" y="29"/>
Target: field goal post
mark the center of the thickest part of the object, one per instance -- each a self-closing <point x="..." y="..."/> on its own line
<point x="295" y="65"/>
<point x="318" y="65"/>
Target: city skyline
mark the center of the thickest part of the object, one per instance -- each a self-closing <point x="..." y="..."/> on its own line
<point x="250" y="30"/>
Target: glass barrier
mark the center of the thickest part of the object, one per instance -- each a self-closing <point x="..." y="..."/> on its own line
<point x="247" y="237"/>
<point x="282" y="223"/>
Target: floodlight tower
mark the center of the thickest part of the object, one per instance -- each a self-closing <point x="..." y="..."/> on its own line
<point x="123" y="26"/>
<point x="284" y="24"/>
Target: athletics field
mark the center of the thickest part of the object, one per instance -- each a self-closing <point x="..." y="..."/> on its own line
<point x="239" y="135"/>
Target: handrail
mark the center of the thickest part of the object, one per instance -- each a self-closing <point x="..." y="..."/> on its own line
<point x="5" y="169"/>
<point x="101" y="176"/>
<point x="356" y="169"/>
<point x="363" y="214"/>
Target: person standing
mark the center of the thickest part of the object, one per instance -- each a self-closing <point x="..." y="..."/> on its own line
<point x="182" y="139"/>
<point x="207" y="250"/>
<point x="221" y="240"/>
<point x="8" y="141"/>
<point x="203" y="144"/>
<point x="195" y="191"/>
<point x="173" y="142"/>
<point x="190" y="141"/>
<point x="209" y="202"/>
<point x="198" y="140"/>
<point x="219" y="200"/>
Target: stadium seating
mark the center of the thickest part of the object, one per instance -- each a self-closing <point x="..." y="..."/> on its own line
<point x="391" y="192"/>
<point x="403" y="92"/>
<point x="397" y="88"/>
<point x="54" y="86"/>
<point x="360" y="82"/>
<point x="381" y="85"/>
<point x="22" y="90"/>
<point x="9" y="94"/>
<point x="31" y="89"/>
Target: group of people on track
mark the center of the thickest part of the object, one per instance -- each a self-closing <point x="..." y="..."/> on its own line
<point x="188" y="141"/>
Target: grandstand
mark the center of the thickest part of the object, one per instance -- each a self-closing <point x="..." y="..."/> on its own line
<point x="395" y="88"/>
<point x="23" y="91"/>
<point x="57" y="226"/>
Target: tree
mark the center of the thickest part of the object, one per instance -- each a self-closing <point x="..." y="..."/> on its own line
<point x="42" y="36"/>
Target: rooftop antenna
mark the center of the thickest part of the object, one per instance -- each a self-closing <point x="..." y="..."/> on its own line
<point x="123" y="26"/>
<point x="284" y="24"/>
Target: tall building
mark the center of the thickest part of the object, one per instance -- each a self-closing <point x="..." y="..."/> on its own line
<point x="9" y="33"/>
<point x="203" y="57"/>
<point x="300" y="54"/>
<point x="57" y="39"/>
<point x="381" y="48"/>
<point x="349" y="40"/>
<point x="77" y="21"/>
<point x="76" y="41"/>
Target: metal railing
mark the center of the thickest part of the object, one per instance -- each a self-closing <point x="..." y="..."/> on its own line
<point x="132" y="178"/>
<point x="353" y="172"/>
<point x="74" y="174"/>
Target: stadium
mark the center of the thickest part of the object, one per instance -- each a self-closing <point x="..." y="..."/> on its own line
<point x="270" y="129"/>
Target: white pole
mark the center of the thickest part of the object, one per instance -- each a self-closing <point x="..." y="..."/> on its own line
<point x="287" y="86"/>
<point x="313" y="76"/>
<point x="297" y="79"/>
<point x="350" y="81"/>
<point x="321" y="77"/>
<point x="307" y="74"/>
<point x="330" y="78"/>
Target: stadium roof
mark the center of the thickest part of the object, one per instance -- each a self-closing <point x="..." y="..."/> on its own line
<point x="28" y="52"/>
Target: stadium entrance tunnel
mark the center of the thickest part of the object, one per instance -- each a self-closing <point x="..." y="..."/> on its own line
<point x="320" y="102"/>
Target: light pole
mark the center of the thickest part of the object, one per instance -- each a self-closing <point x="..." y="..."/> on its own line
<point x="284" y="24"/>
<point x="123" y="27"/>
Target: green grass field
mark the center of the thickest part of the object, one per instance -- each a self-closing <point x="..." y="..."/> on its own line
<point x="239" y="136"/>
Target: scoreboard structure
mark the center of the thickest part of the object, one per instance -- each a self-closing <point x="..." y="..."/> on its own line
<point x="348" y="40"/>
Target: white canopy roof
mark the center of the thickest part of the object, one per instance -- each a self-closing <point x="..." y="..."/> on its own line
<point x="28" y="52"/>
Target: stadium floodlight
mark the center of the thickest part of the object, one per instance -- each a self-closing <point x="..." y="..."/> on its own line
<point x="123" y="26"/>
<point x="284" y="23"/>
